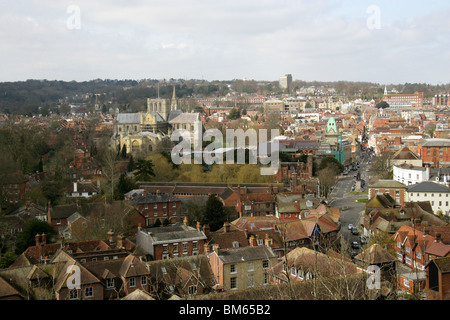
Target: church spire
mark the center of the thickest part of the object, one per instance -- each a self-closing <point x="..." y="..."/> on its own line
<point x="385" y="90"/>
<point x="173" y="104"/>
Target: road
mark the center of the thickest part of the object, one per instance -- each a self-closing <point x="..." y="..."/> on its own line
<point x="351" y="211"/>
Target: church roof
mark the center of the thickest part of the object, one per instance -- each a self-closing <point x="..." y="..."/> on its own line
<point x="180" y="117"/>
<point x="129" y="118"/>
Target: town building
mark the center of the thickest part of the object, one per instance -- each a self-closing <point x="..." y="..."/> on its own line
<point x="434" y="152"/>
<point x="242" y="268"/>
<point x="404" y="101"/>
<point x="394" y="188"/>
<point x="437" y="194"/>
<point x="171" y="241"/>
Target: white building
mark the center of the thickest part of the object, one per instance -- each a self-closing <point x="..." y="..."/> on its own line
<point x="437" y="194"/>
<point x="409" y="174"/>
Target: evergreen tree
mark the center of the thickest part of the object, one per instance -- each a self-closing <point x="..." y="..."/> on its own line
<point x="215" y="214"/>
<point x="143" y="170"/>
<point x="130" y="166"/>
<point x="26" y="238"/>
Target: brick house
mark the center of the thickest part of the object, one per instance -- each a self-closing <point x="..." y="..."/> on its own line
<point x="434" y="152"/>
<point x="438" y="279"/>
<point x="172" y="241"/>
<point x="157" y="206"/>
<point x="90" y="287"/>
<point x="185" y="277"/>
<point x="394" y="188"/>
<point x="412" y="282"/>
<point x="412" y="244"/>
<point x="15" y="187"/>
<point x="242" y="268"/>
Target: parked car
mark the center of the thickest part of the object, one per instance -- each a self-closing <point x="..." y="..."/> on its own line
<point x="355" y="231"/>
<point x="363" y="240"/>
<point x="354" y="187"/>
<point x="355" y="245"/>
<point x="350" y="226"/>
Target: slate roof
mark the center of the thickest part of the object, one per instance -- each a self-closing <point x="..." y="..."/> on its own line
<point x="154" y="198"/>
<point x="428" y="186"/>
<point x="251" y="253"/>
<point x="184" y="117"/>
<point x="129" y="118"/>
<point x="174" y="233"/>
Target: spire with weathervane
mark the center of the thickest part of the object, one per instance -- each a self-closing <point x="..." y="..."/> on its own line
<point x="173" y="104"/>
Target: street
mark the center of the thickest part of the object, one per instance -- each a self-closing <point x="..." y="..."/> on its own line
<point x="351" y="211"/>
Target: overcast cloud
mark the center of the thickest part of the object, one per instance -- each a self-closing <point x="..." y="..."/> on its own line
<point x="223" y="40"/>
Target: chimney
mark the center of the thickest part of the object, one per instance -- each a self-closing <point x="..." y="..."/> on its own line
<point x="44" y="238"/>
<point x="49" y="216"/>
<point x="226" y="227"/>
<point x="139" y="226"/>
<point x="185" y="220"/>
<point x="37" y="237"/>
<point x="110" y="236"/>
<point x="206" y="229"/>
<point x="157" y="192"/>
<point x="119" y="241"/>
<point x="267" y="240"/>
<point x="205" y="248"/>
<point x="198" y="226"/>
<point x="216" y="248"/>
<point x="252" y="241"/>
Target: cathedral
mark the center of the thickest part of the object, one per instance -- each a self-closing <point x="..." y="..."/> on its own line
<point x="141" y="132"/>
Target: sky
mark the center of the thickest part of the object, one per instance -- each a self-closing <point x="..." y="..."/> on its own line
<point x="380" y="41"/>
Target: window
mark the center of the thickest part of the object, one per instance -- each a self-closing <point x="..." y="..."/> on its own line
<point x="419" y="255"/>
<point x="265" y="264"/>
<point x="165" y="248"/>
<point x="235" y="244"/>
<point x="143" y="280"/>
<point x="192" y="290"/>
<point x="406" y="282"/>
<point x="185" y="247"/>
<point x="194" y="245"/>
<point x="109" y="283"/>
<point x="233" y="268"/>
<point x="233" y="283"/>
<point x="73" y="294"/>
<point x="132" y="282"/>
<point x="175" y="247"/>
<point x="250" y="266"/>
<point x="89" y="292"/>
<point x="408" y="249"/>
